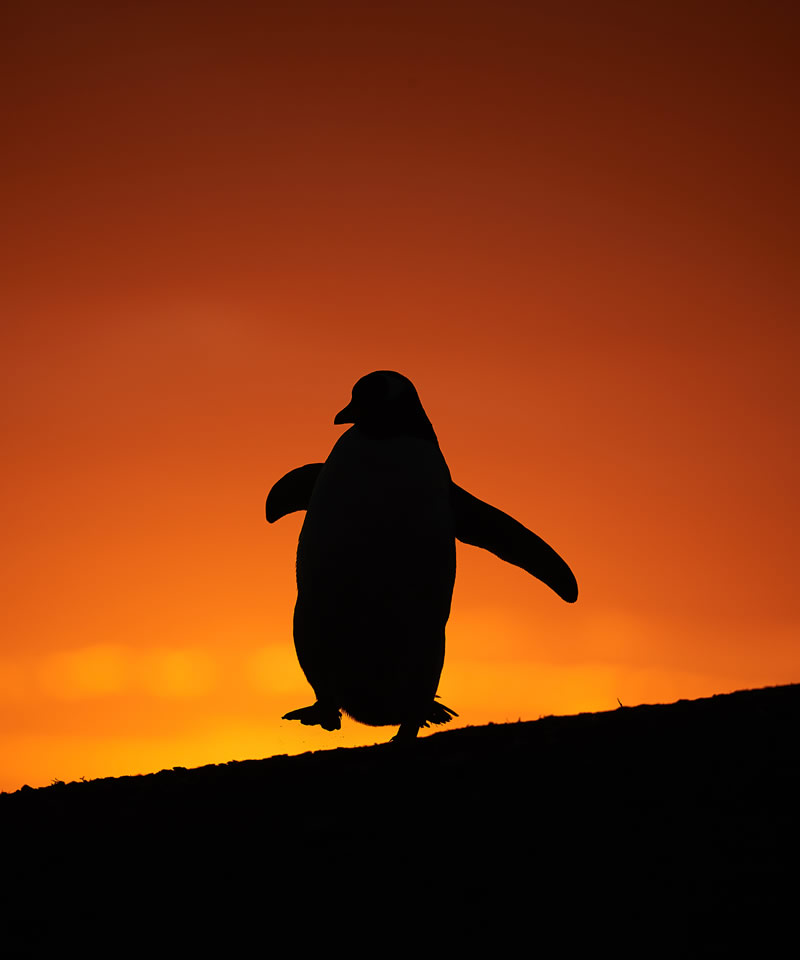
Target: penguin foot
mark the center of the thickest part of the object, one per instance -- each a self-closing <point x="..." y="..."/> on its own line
<point x="407" y="731"/>
<point x="439" y="713"/>
<point x="329" y="718"/>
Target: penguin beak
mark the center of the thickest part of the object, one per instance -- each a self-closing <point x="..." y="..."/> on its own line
<point x="346" y="415"/>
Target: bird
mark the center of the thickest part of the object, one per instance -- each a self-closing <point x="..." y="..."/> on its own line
<point x="376" y="561"/>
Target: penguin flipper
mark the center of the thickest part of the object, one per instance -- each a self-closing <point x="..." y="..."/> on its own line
<point x="482" y="525"/>
<point x="292" y="492"/>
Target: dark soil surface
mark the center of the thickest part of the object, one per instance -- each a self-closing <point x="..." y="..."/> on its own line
<point x="650" y="829"/>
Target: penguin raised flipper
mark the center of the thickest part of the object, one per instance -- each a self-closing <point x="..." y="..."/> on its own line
<point x="293" y="491"/>
<point x="482" y="525"/>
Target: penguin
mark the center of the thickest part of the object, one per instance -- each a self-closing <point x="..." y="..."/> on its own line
<point x="376" y="561"/>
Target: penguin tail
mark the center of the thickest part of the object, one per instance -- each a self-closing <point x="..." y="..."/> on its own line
<point x="439" y="713"/>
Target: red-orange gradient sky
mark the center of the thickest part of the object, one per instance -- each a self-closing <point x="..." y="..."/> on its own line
<point x="574" y="226"/>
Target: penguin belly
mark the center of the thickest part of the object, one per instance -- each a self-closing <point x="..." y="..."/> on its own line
<point x="375" y="576"/>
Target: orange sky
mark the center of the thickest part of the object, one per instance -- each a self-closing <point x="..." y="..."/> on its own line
<point x="572" y="225"/>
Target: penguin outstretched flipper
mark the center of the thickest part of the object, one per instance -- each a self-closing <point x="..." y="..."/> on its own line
<point x="482" y="525"/>
<point x="292" y="492"/>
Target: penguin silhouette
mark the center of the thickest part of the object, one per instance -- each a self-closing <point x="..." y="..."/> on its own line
<point x="376" y="561"/>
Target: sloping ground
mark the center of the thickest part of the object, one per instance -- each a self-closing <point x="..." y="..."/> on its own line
<point x="648" y="826"/>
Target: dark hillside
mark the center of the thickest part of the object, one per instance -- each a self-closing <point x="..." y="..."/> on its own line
<point x="676" y="824"/>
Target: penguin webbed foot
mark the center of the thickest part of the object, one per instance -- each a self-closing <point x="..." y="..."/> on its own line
<point x="438" y="714"/>
<point x="408" y="731"/>
<point x="327" y="717"/>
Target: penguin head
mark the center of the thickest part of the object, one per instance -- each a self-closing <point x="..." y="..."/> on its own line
<point x="386" y="404"/>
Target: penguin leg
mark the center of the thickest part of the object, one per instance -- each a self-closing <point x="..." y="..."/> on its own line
<point x="437" y="714"/>
<point x="326" y="715"/>
<point x="408" y="731"/>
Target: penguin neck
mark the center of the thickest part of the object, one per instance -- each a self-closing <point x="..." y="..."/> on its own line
<point x="418" y="426"/>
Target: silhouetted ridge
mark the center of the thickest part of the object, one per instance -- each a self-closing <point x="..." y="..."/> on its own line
<point x="669" y="821"/>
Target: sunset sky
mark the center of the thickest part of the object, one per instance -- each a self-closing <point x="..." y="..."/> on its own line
<point x="572" y="225"/>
